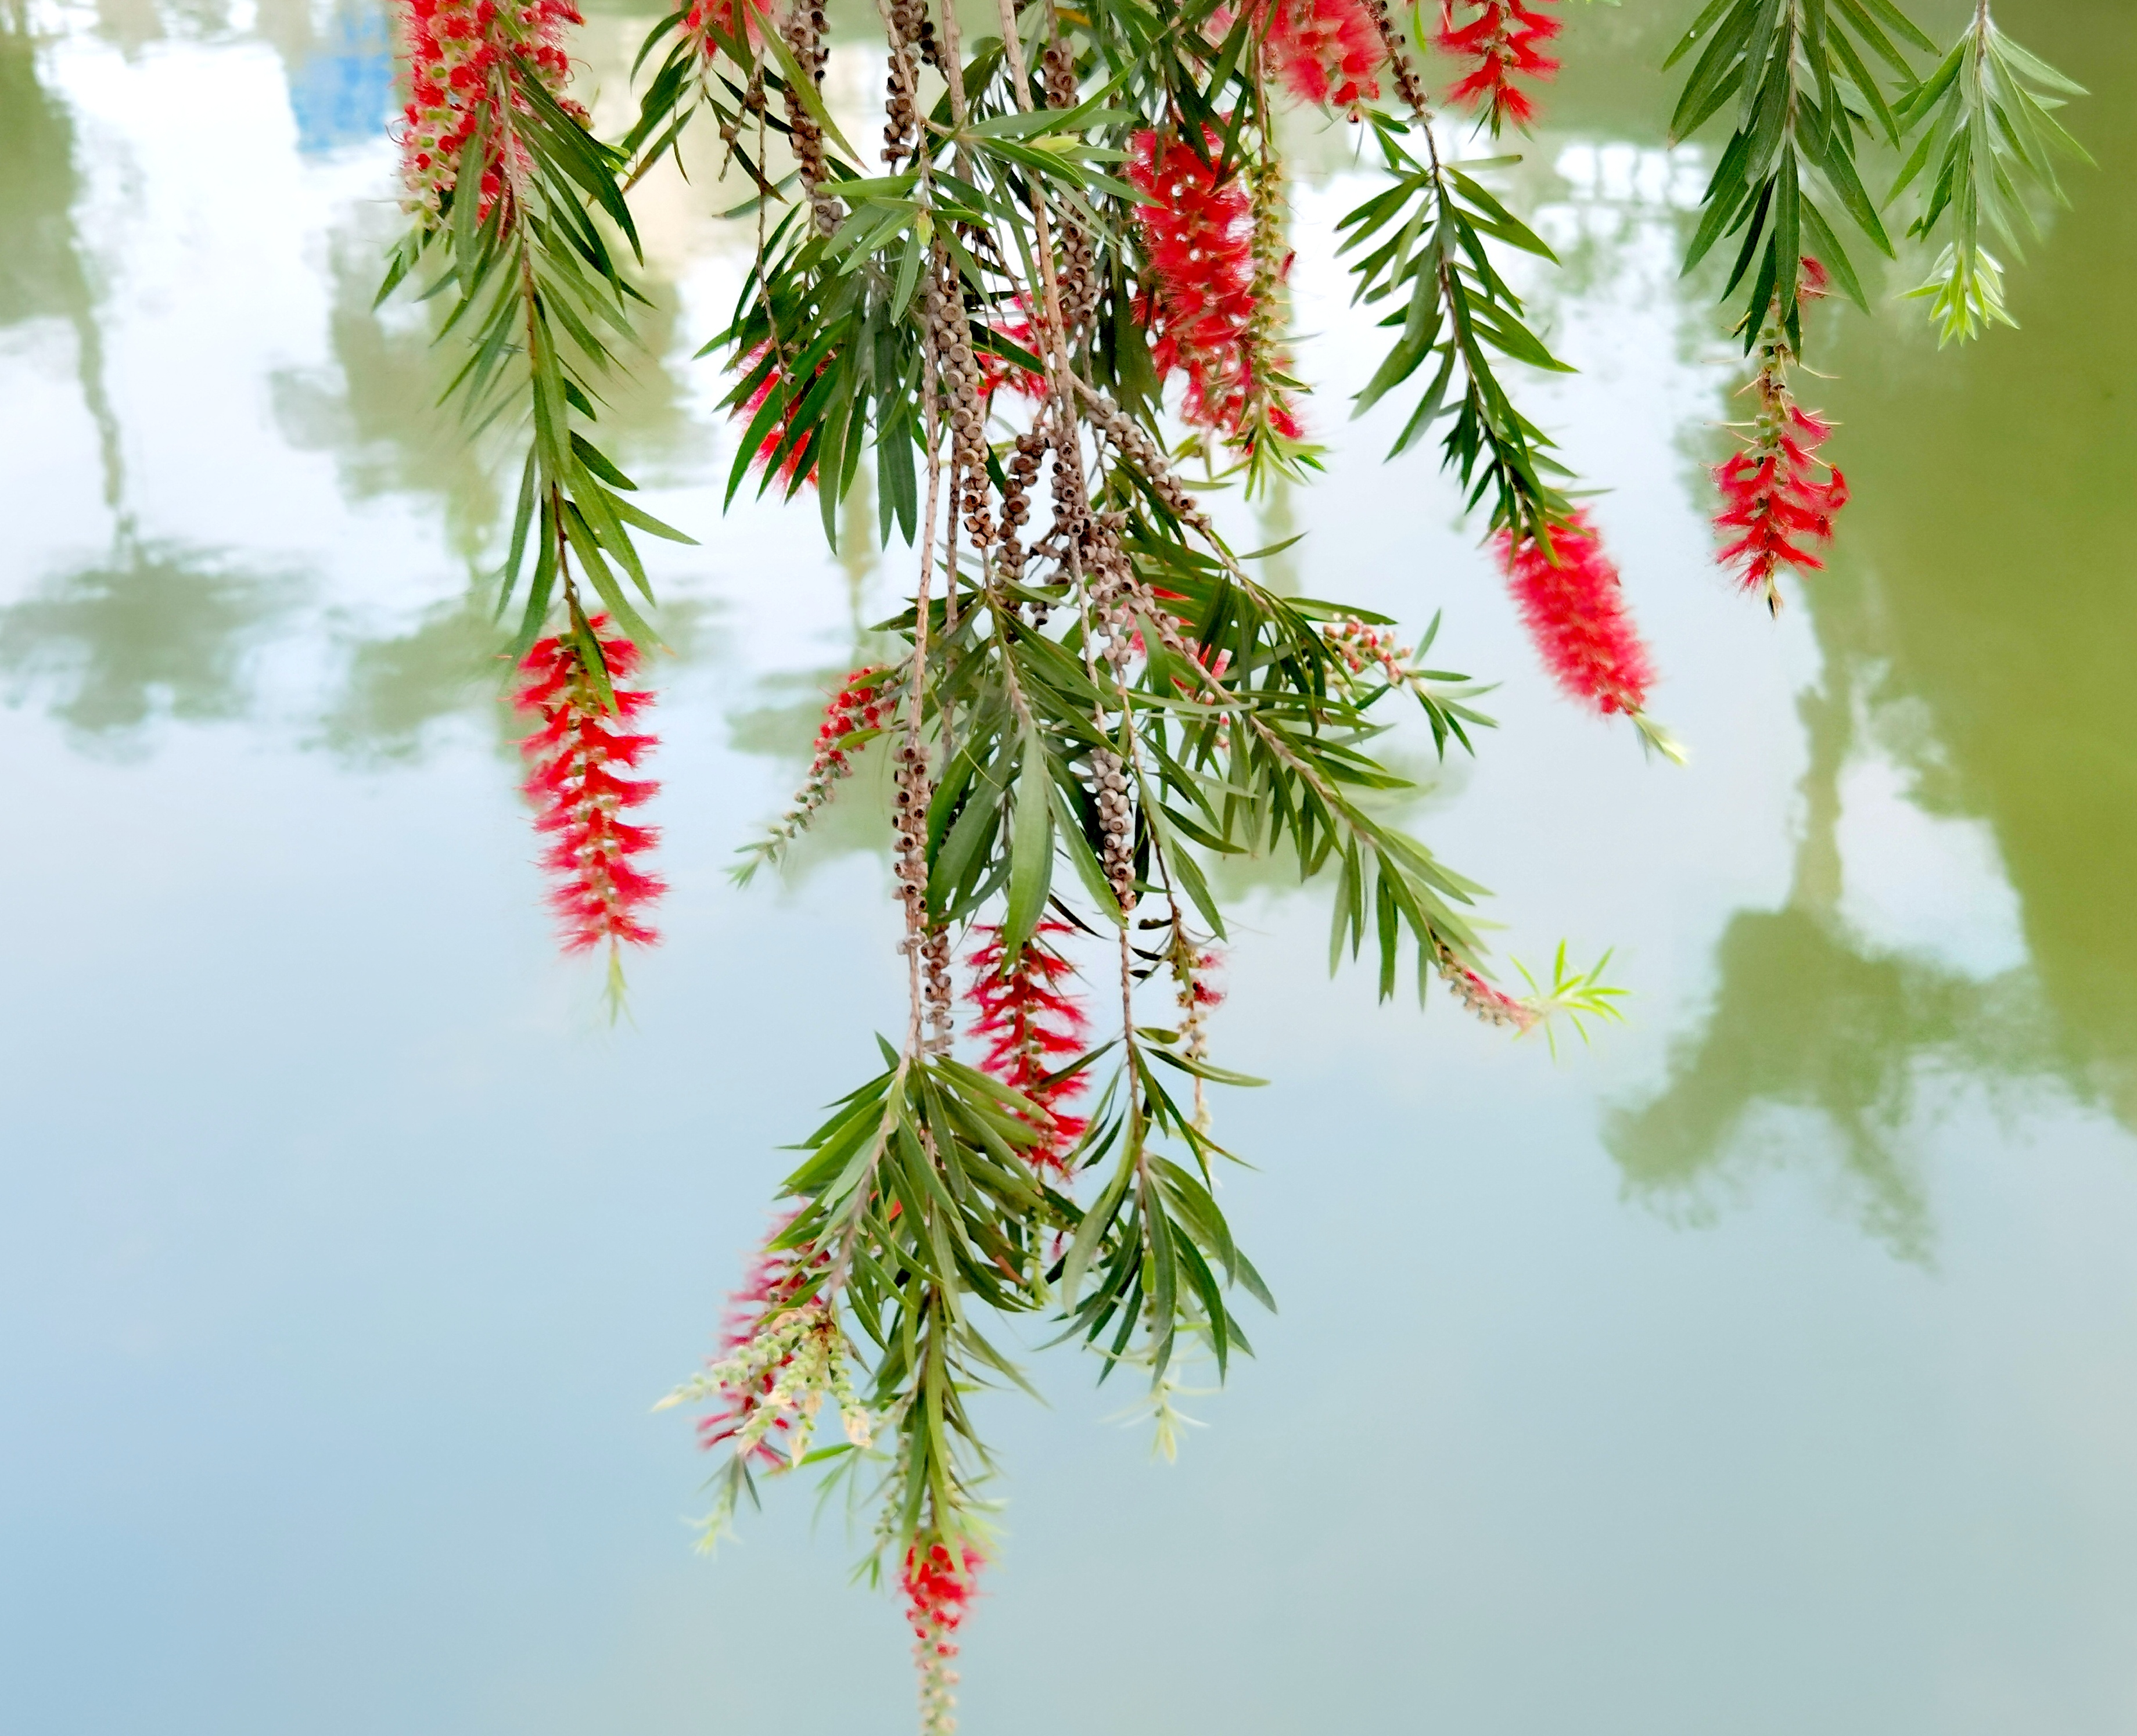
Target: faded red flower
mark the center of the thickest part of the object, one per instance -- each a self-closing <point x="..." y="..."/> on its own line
<point x="1033" y="1027"/>
<point x="1574" y="605"/>
<point x="767" y="449"/>
<point x="465" y="60"/>
<point x="1327" y="52"/>
<point x="997" y="371"/>
<point x="580" y="799"/>
<point x="859" y="706"/>
<point x="742" y="21"/>
<point x="1199" y="233"/>
<point x="775" y="1277"/>
<point x="939" y="1580"/>
<point x="1484" y="1000"/>
<point x="1501" y="38"/>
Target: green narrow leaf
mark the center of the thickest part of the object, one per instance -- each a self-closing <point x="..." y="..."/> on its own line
<point x="1092" y="1230"/>
<point x="1031" y="847"/>
<point x="1825" y="247"/>
<point x="1900" y="24"/>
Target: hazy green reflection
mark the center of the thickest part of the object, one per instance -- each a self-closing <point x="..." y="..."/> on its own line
<point x="1976" y="580"/>
<point x="154" y="629"/>
<point x="1984" y="589"/>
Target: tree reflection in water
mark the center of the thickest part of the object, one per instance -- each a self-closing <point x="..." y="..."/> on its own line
<point x="154" y="631"/>
<point x="1985" y="580"/>
<point x="1983" y="583"/>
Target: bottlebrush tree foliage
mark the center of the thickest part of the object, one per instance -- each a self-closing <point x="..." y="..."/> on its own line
<point x="1064" y="253"/>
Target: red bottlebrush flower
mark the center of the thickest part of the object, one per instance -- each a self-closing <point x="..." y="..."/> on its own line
<point x="938" y="1580"/>
<point x="601" y="892"/>
<point x="1771" y="493"/>
<point x="997" y="371"/>
<point x="1200" y="234"/>
<point x="865" y="704"/>
<point x="1573" y="606"/>
<point x="1501" y="39"/>
<point x="1776" y="504"/>
<point x="1032" y="1027"/>
<point x="858" y="707"/>
<point x="463" y="63"/>
<point x="742" y="21"/>
<point x="768" y="447"/>
<point x="1327" y="52"/>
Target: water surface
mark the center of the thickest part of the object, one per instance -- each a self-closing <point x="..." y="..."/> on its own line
<point x="1770" y="1366"/>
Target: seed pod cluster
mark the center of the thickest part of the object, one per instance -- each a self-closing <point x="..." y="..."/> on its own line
<point x="900" y="130"/>
<point x="1124" y="431"/>
<point x="752" y="105"/>
<point x="1392" y="38"/>
<point x="1093" y="540"/>
<point x="804" y="35"/>
<point x="1021" y="471"/>
<point x="935" y="970"/>
<point x="1078" y="273"/>
<point x="972" y="488"/>
<point x="909" y="823"/>
<point x="1115" y="824"/>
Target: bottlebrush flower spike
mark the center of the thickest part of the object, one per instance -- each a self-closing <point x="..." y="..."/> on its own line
<point x="1573" y="604"/>
<point x="1200" y="234"/>
<point x="768" y="447"/>
<point x="859" y="708"/>
<point x="1775" y="503"/>
<point x="737" y="21"/>
<point x="601" y="892"/>
<point x="997" y="371"/>
<point x="1500" y="37"/>
<point x="1328" y="52"/>
<point x="1032" y="1027"/>
<point x="938" y="1579"/>
<point x="463" y="59"/>
<point x="864" y="706"/>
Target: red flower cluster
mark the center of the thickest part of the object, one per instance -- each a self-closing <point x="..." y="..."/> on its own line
<point x="859" y="707"/>
<point x="768" y="447"/>
<point x="1501" y="39"/>
<point x="856" y="707"/>
<point x="1573" y="606"/>
<point x="1771" y="494"/>
<point x="775" y="1277"/>
<point x="705" y="16"/>
<point x="1032" y="1027"/>
<point x="997" y="372"/>
<point x="576" y="751"/>
<point x="1773" y="501"/>
<point x="1199" y="236"/>
<point x="460" y="62"/>
<point x="1328" y="51"/>
<point x="938" y="1580"/>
